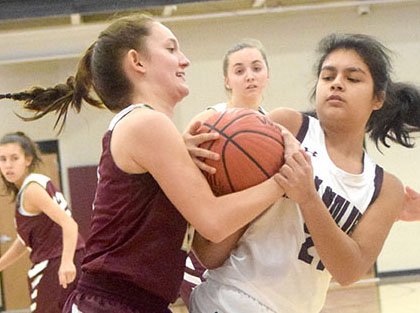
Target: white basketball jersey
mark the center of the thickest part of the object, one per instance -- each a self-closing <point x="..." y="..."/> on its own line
<point x="275" y="263"/>
<point x="221" y="107"/>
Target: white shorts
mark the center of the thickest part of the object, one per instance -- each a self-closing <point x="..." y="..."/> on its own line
<point x="212" y="297"/>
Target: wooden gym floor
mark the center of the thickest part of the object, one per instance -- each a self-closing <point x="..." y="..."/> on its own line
<point x="397" y="295"/>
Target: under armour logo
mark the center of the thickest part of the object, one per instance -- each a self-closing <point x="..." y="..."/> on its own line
<point x="313" y="153"/>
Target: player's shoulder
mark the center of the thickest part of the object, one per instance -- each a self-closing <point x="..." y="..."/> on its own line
<point x="31" y="192"/>
<point x="206" y="114"/>
<point x="392" y="192"/>
<point x="282" y="113"/>
<point x="144" y="119"/>
<point x="289" y="118"/>
<point x="35" y="179"/>
<point x="141" y="128"/>
<point x="392" y="183"/>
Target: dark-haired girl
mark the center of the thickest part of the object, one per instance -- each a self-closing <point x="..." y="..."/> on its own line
<point x="340" y="205"/>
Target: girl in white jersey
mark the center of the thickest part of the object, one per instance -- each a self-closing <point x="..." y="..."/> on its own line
<point x="246" y="76"/>
<point x="340" y="204"/>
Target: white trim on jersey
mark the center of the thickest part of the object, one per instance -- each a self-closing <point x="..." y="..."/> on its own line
<point x="37" y="269"/>
<point x="41" y="180"/>
<point x="192" y="279"/>
<point x="75" y="309"/>
<point x="220" y="107"/>
<point x="123" y="113"/>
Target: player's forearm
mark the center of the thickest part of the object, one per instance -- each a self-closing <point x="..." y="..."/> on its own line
<point x="338" y="252"/>
<point x="70" y="234"/>
<point x="14" y="253"/>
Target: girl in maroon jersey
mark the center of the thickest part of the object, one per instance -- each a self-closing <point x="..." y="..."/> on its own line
<point x="44" y="226"/>
<point x="148" y="185"/>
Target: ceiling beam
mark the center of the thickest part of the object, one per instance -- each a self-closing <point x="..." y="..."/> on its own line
<point x="23" y="9"/>
<point x="71" y="41"/>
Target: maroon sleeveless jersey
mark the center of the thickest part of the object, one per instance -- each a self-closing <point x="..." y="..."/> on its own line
<point x="136" y="233"/>
<point x="38" y="232"/>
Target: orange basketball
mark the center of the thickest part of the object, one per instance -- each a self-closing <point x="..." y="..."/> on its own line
<point x="250" y="146"/>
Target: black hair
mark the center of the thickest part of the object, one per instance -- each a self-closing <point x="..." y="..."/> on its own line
<point x="400" y="113"/>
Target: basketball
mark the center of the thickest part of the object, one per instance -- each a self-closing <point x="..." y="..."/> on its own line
<point x="250" y="146"/>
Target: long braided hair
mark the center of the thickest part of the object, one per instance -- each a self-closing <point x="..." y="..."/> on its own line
<point x="100" y="80"/>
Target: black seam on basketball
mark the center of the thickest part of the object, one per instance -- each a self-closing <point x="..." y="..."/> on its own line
<point x="230" y="139"/>
<point x="251" y="158"/>
<point x="232" y="121"/>
<point x="259" y="133"/>
<point x="237" y="118"/>
<point x="224" y="165"/>
<point x="220" y="131"/>
<point x="219" y="118"/>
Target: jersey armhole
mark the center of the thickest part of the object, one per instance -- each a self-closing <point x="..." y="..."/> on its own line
<point x="21" y="209"/>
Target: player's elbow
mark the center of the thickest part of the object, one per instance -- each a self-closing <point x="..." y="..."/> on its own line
<point x="346" y="278"/>
<point x="213" y="233"/>
<point x="345" y="281"/>
<point x="73" y="226"/>
<point x="213" y="230"/>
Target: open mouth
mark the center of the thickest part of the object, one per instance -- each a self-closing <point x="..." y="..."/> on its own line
<point x="251" y="87"/>
<point x="8" y="175"/>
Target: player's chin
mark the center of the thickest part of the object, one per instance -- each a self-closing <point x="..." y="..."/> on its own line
<point x="183" y="91"/>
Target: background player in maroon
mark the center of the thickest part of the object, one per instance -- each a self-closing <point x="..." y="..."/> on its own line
<point x="44" y="225"/>
<point x="148" y="186"/>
